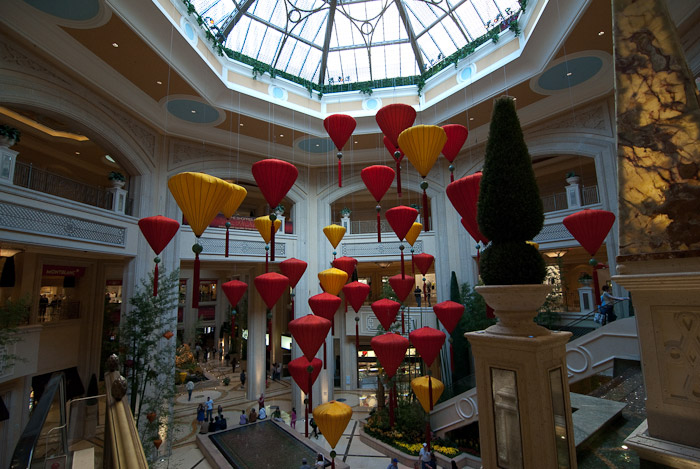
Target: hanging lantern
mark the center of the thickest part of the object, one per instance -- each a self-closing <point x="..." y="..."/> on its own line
<point x="590" y="227"/>
<point x="390" y="350"/>
<point x="299" y="369"/>
<point x="339" y="128"/>
<point x="332" y="418"/>
<point x="346" y="264"/>
<point x="157" y="442"/>
<point x="199" y="196"/>
<point x="274" y="178"/>
<point x="238" y="193"/>
<point x="401" y="220"/>
<point x="334" y="234"/>
<point x="293" y="269"/>
<point x="234" y="291"/>
<point x="310" y="332"/>
<point x="413" y="233"/>
<point x="464" y="195"/>
<point x="356" y="293"/>
<point x="449" y="313"/>
<point x="456" y="136"/>
<point x="332" y="280"/>
<point x="325" y="305"/>
<point x="151" y="416"/>
<point x="423" y="262"/>
<point x="158" y="231"/>
<point x="428" y="342"/>
<point x="421" y="387"/>
<point x="267" y="228"/>
<point x="397" y="154"/>
<point x="270" y="286"/>
<point x="422" y="145"/>
<point x="168" y="335"/>
<point x="385" y="310"/>
<point x="402" y="285"/>
<point x="394" y="119"/>
<point x="378" y="179"/>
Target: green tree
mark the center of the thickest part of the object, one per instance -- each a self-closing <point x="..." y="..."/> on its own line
<point x="12" y="314"/>
<point x="509" y="209"/>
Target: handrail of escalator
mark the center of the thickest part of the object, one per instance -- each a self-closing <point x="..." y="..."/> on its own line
<point x="123" y="449"/>
<point x="22" y="456"/>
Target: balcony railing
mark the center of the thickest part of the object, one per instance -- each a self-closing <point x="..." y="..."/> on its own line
<point x="26" y="175"/>
<point x="558" y="201"/>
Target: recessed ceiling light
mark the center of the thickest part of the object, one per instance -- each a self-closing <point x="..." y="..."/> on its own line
<point x="514" y="98"/>
<point x="600" y="33"/>
<point x="569" y="74"/>
<point x="356" y="141"/>
<point x="114" y="44"/>
<point x="109" y="158"/>
<point x="193" y="111"/>
<point x="159" y="82"/>
<point x="281" y="135"/>
<point x="241" y="124"/>
<point x="624" y="447"/>
<point x="471" y="118"/>
<point x="77" y="152"/>
<point x="318" y="145"/>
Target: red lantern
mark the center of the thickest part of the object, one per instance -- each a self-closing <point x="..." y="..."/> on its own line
<point x="590" y="227"/>
<point x="402" y="285"/>
<point x="398" y="155"/>
<point x="234" y="290"/>
<point x="428" y="342"/>
<point x="346" y="264"/>
<point x="310" y="332"/>
<point x="325" y="305"/>
<point x="473" y="229"/>
<point x="394" y="119"/>
<point x="401" y="219"/>
<point x="456" y="136"/>
<point x="339" y="127"/>
<point x="274" y="178"/>
<point x="293" y="269"/>
<point x="378" y="179"/>
<point x="464" y="195"/>
<point x="449" y="313"/>
<point x="423" y="262"/>
<point x="385" y="310"/>
<point x="271" y="286"/>
<point x="158" y="231"/>
<point x="390" y="349"/>
<point x="299" y="369"/>
<point x="356" y="294"/>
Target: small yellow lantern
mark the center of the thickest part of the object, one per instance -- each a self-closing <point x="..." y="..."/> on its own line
<point x="332" y="280"/>
<point x="335" y="234"/>
<point x="421" y="387"/>
<point x="413" y="233"/>
<point x="263" y="224"/>
<point x="332" y="418"/>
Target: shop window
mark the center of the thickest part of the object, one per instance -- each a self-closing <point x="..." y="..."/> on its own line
<point x="207" y="291"/>
<point x="60" y="293"/>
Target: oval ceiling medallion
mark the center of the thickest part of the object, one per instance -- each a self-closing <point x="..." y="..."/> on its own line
<point x="193" y="111"/>
<point x="316" y="145"/>
<point x="72" y="10"/>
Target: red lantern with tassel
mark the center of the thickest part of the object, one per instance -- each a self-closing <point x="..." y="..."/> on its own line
<point x="398" y="155"/>
<point x="293" y="269"/>
<point x="339" y="128"/>
<point x="346" y="264"/>
<point x="402" y="285"/>
<point x="271" y="286"/>
<point x="234" y="291"/>
<point x="428" y="342"/>
<point x="158" y="231"/>
<point x="590" y="227"/>
<point x="423" y="262"/>
<point x="449" y="313"/>
<point x="325" y="305"/>
<point x="390" y="350"/>
<point x="401" y="219"/>
<point x="464" y="195"/>
<point x="378" y="179"/>
<point x="385" y="310"/>
<point x="310" y="332"/>
<point x="299" y="369"/>
<point x="456" y="136"/>
<point x="356" y="293"/>
<point x="274" y="178"/>
<point x="394" y="119"/>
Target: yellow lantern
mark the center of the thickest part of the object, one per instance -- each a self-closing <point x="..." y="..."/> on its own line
<point x="413" y="233"/>
<point x="422" y="145"/>
<point x="332" y="280"/>
<point x="332" y="418"/>
<point x="421" y="386"/>
<point x="234" y="201"/>
<point x="200" y="197"/>
<point x="263" y="224"/>
<point x="335" y="234"/>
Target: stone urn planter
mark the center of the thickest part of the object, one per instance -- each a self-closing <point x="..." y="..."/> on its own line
<point x="515" y="306"/>
<point x="6" y="141"/>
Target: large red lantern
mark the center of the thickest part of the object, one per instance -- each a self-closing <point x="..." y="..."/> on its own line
<point x="402" y="285"/>
<point x="346" y="264"/>
<point x="378" y="179"/>
<point x="356" y="294"/>
<point x="398" y="155"/>
<point x="234" y="291"/>
<point x="401" y="219"/>
<point x="390" y="349"/>
<point x="423" y="261"/>
<point x="158" y="231"/>
<point x="464" y="195"/>
<point x="310" y="332"/>
<point x="339" y="128"/>
<point x="472" y="228"/>
<point x="271" y="286"/>
<point x="325" y="305"/>
<point x="299" y="369"/>
<point x="394" y="119"/>
<point x="385" y="310"/>
<point x="274" y="178"/>
<point x="428" y="342"/>
<point x="449" y="313"/>
<point x="293" y="269"/>
<point x="590" y="227"/>
<point x="456" y="136"/>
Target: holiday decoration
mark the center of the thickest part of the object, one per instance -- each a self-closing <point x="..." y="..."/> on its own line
<point x="402" y="286"/>
<point x="158" y="231"/>
<point x="339" y="128"/>
<point x="356" y="293"/>
<point x="332" y="280"/>
<point x="423" y="262"/>
<point x="230" y="206"/>
<point x="394" y="119"/>
<point x="346" y="264"/>
<point x="378" y="179"/>
<point x="449" y="313"/>
<point x="401" y="219"/>
<point x="456" y="136"/>
<point x="390" y="349"/>
<point x="385" y="310"/>
<point x="422" y="145"/>
<point x="332" y="418"/>
<point x="299" y="369"/>
<point x="325" y="305"/>
<point x="234" y="291"/>
<point x="309" y="332"/>
<point x="293" y="269"/>
<point x="590" y="227"/>
<point x="464" y="194"/>
<point x="413" y="233"/>
<point x="397" y="154"/>
<point x="422" y="388"/>
<point x="270" y="286"/>
<point x="334" y="234"/>
<point x="428" y="342"/>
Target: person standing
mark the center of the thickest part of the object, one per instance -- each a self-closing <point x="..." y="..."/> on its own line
<point x="424" y="456"/>
<point x="242" y="379"/>
<point x="394" y="464"/>
<point x="417" y="294"/>
<point x="200" y="417"/>
<point x="607" y="302"/>
<point x="261" y="401"/>
<point x="190" y="387"/>
<point x="279" y="371"/>
<point x="293" y="421"/>
<point x="220" y="411"/>
<point x="210" y="408"/>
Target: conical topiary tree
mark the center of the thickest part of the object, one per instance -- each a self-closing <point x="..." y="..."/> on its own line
<point x="509" y="209"/>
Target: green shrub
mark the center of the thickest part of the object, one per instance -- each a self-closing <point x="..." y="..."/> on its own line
<point x="512" y="263"/>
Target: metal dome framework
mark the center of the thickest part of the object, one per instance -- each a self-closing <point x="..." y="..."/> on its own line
<point x="368" y="40"/>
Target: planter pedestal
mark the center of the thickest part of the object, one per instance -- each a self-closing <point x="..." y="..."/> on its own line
<point x="522" y="386"/>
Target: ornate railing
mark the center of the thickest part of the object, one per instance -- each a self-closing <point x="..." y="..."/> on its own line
<point x="558" y="201"/>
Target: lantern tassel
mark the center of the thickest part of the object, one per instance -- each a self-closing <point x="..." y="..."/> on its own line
<point x="333" y="323"/>
<point x="391" y="406"/>
<point x="452" y="175"/>
<point x="357" y="336"/>
<point x="402" y="266"/>
<point x="267" y="256"/>
<point x="426" y="221"/>
<point x="272" y="242"/>
<point x="398" y="178"/>
<point x="379" y="227"/>
<point x="195" y="281"/>
<point x="333" y="463"/>
<point x="403" y="329"/>
<point x="340" y="172"/>
<point x="226" y="249"/>
<point x="325" y="360"/>
<point x="155" y="281"/>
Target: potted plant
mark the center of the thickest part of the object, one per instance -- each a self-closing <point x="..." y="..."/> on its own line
<point x="226" y="381"/>
<point x="9" y="135"/>
<point x="572" y="178"/>
<point x="510" y="214"/>
<point x="279" y="210"/>
<point x="345" y="212"/>
<point x="585" y="279"/>
<point x="117" y="178"/>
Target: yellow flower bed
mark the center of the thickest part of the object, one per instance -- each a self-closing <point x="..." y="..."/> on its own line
<point x="414" y="448"/>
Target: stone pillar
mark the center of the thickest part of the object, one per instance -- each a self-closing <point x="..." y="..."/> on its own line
<point x="7" y="165"/>
<point x="345" y="222"/>
<point x="586" y="300"/>
<point x="658" y="123"/>
<point x="573" y="192"/>
<point x="118" y="199"/>
<point x="522" y="385"/>
<point x="257" y="351"/>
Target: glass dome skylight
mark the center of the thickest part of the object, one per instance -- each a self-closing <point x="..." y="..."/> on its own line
<point x="368" y="40"/>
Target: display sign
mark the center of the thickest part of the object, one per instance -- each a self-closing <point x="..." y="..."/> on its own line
<point x="62" y="271"/>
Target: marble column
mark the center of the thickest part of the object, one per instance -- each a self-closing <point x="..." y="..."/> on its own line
<point x="658" y="125"/>
<point x="257" y="351"/>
